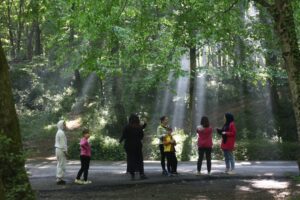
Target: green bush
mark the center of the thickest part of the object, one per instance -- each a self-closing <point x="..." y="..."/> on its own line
<point x="103" y="148"/>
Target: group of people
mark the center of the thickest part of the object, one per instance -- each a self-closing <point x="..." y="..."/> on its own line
<point x="204" y="143"/>
<point x="61" y="152"/>
<point x="132" y="136"/>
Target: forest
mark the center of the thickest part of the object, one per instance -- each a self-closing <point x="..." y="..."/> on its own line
<point x="93" y="63"/>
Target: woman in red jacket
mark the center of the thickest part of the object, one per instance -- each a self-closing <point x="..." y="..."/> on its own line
<point x="228" y="133"/>
<point x="204" y="144"/>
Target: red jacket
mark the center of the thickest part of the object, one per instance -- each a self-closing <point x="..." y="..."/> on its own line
<point x="205" y="137"/>
<point x="231" y="134"/>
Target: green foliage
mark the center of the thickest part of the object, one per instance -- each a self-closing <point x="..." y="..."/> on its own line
<point x="103" y="148"/>
<point x="13" y="174"/>
<point x="186" y="149"/>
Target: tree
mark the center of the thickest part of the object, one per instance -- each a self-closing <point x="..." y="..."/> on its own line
<point x="284" y="25"/>
<point x="14" y="183"/>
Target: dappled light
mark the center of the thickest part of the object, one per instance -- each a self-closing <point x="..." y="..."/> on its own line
<point x="269" y="184"/>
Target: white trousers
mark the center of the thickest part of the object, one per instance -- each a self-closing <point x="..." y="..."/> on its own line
<point x="61" y="163"/>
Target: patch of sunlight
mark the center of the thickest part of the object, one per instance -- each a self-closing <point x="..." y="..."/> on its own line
<point x="102" y="121"/>
<point x="269" y="184"/>
<point x="51" y="158"/>
<point x="213" y="83"/>
<point x="244" y="188"/>
<point x="49" y="127"/>
<point x="269" y="174"/>
<point x="177" y="98"/>
<point x="199" y="197"/>
<point x="74" y="124"/>
<point x="282" y="195"/>
<point x="245" y="163"/>
<point x="155" y="141"/>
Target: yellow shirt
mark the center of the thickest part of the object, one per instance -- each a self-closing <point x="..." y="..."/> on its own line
<point x="168" y="147"/>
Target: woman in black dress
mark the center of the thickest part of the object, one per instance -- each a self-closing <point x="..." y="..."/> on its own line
<point x="132" y="135"/>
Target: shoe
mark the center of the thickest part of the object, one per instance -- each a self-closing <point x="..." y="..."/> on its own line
<point x="78" y="181"/>
<point x="198" y="174"/>
<point x="208" y="173"/>
<point x="61" y="182"/>
<point x="165" y="173"/>
<point x="231" y="172"/>
<point x="86" y="182"/>
<point x="175" y="173"/>
<point x="143" y="177"/>
<point x="132" y="177"/>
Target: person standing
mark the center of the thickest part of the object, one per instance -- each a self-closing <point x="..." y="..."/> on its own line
<point x="205" y="144"/>
<point x="132" y="135"/>
<point x="161" y="133"/>
<point x="170" y="153"/>
<point x="85" y="157"/>
<point x="61" y="152"/>
<point x="228" y="133"/>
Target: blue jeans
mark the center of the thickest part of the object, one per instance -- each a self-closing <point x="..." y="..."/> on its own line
<point x="229" y="160"/>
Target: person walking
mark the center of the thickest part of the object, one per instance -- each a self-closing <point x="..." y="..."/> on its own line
<point x="204" y="132"/>
<point x="61" y="152"/>
<point x="228" y="132"/>
<point x="85" y="157"/>
<point x="161" y="133"/>
<point x="132" y="135"/>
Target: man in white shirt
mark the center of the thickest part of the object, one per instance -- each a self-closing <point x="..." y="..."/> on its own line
<point x="61" y="151"/>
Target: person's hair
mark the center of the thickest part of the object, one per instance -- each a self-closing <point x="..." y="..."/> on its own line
<point x="229" y="118"/>
<point x="85" y="131"/>
<point x="134" y="120"/>
<point x="204" y="121"/>
<point x="162" y="118"/>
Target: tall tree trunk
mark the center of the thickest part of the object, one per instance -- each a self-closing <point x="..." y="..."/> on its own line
<point x="282" y="13"/>
<point x="13" y="174"/>
<point x="10" y="31"/>
<point x="29" y="45"/>
<point x="193" y="65"/>
<point x="38" y="50"/>
<point x="20" y="28"/>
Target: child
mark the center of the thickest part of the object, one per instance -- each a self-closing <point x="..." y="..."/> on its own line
<point x="205" y="144"/>
<point x="85" y="157"/>
<point x="169" y="149"/>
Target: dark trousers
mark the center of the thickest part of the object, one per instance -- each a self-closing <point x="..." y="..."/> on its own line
<point x="135" y="161"/>
<point x="201" y="152"/>
<point x="162" y="157"/>
<point x="171" y="162"/>
<point x="85" y="165"/>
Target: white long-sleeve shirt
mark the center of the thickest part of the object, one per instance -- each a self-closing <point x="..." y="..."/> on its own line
<point x="60" y="138"/>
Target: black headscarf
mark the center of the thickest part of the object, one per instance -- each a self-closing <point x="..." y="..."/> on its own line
<point x="229" y="118"/>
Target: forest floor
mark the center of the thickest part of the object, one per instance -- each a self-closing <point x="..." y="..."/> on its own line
<point x="252" y="180"/>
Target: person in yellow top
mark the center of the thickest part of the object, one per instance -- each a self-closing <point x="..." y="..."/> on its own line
<point x="169" y="150"/>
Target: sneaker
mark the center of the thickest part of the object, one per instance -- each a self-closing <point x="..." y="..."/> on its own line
<point x="61" y="182"/>
<point x="165" y="173"/>
<point x="231" y="172"/>
<point x="78" y="181"/>
<point x="198" y="174"/>
<point x="86" y="182"/>
<point x="175" y="173"/>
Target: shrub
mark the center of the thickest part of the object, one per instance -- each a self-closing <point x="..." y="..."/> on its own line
<point x="103" y="148"/>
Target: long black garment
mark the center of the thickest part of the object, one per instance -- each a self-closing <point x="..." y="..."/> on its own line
<point x="133" y="146"/>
